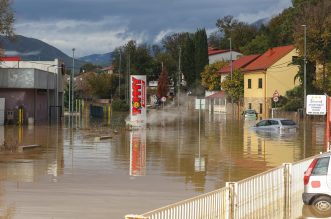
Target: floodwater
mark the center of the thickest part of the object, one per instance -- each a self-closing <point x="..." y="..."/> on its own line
<point x="75" y="174"/>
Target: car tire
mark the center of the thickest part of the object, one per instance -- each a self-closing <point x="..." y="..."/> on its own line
<point x="322" y="205"/>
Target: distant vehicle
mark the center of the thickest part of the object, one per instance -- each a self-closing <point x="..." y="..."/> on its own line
<point x="317" y="185"/>
<point x="250" y="114"/>
<point x="276" y="124"/>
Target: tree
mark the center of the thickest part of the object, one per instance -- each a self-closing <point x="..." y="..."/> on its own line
<point x="280" y="28"/>
<point x="163" y="84"/>
<point x="240" y="33"/>
<point x="102" y="85"/>
<point x="200" y="51"/>
<point x="6" y="19"/>
<point x="317" y="18"/>
<point x="234" y="87"/>
<point x="210" y="78"/>
<point x="88" y="67"/>
<point x="214" y="39"/>
<point x="188" y="61"/>
<point x="257" y="46"/>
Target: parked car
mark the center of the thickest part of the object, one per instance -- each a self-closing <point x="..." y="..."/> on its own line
<point x="317" y="184"/>
<point x="250" y="114"/>
<point x="276" y="124"/>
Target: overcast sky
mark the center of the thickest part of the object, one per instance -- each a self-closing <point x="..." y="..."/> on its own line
<point x="99" y="26"/>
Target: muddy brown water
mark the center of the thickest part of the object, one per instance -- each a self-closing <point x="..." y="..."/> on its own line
<point x="75" y="174"/>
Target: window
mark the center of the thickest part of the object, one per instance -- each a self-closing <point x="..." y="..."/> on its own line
<point x="287" y="122"/>
<point x="249" y="83"/>
<point x="249" y="105"/>
<point x="260" y="82"/>
<point x="274" y="122"/>
<point x="262" y="123"/>
<point x="261" y="109"/>
<point x="321" y="167"/>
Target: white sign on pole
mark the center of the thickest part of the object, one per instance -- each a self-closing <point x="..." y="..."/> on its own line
<point x="316" y="105"/>
<point x="138" y="100"/>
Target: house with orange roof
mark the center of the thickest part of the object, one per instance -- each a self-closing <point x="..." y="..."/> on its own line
<point x="240" y="63"/>
<point x="216" y="55"/>
<point x="271" y="73"/>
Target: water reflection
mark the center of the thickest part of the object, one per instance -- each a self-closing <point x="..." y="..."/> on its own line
<point x="138" y="152"/>
<point x="310" y="211"/>
<point x="73" y="172"/>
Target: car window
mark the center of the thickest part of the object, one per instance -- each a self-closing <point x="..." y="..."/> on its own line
<point x="273" y="122"/>
<point x="287" y="122"/>
<point x="250" y="112"/>
<point x="321" y="167"/>
<point x="262" y="123"/>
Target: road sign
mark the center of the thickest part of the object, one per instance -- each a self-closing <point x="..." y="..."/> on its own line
<point x="275" y="99"/>
<point x="316" y="105"/>
<point x="163" y="99"/>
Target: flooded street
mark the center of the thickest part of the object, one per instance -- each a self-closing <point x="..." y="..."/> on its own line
<point x="76" y="174"/>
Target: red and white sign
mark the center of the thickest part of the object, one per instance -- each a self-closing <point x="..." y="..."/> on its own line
<point x="275" y="96"/>
<point x="138" y="99"/>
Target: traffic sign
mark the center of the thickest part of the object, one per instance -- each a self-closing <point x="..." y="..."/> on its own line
<point x="316" y="105"/>
<point x="275" y="99"/>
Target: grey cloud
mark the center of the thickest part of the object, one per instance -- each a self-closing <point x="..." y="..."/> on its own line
<point x="124" y="19"/>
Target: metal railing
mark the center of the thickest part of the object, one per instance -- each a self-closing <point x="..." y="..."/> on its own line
<point x="266" y="195"/>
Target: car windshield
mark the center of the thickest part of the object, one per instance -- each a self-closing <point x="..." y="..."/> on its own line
<point x="250" y="112"/>
<point x="287" y="122"/>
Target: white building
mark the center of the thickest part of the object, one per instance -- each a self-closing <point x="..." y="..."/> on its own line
<point x="216" y="55"/>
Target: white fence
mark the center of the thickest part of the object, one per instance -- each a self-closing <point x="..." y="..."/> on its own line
<point x="266" y="195"/>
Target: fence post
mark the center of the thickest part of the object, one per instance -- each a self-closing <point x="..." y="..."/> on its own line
<point x="287" y="188"/>
<point x="231" y="199"/>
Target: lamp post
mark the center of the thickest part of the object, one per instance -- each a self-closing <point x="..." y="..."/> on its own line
<point x="231" y="57"/>
<point x="72" y="79"/>
<point x="305" y="68"/>
<point x="119" y="75"/>
<point x="179" y="75"/>
<point x="231" y="71"/>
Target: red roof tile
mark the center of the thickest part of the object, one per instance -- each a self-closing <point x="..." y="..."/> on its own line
<point x="213" y="51"/>
<point x="217" y="95"/>
<point x="268" y="58"/>
<point x="238" y="64"/>
<point x="108" y="68"/>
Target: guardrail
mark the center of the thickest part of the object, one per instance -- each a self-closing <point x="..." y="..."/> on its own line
<point x="266" y="195"/>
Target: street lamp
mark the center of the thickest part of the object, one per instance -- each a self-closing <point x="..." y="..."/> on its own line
<point x="119" y="75"/>
<point x="231" y="57"/>
<point x="304" y="68"/>
<point x="179" y="75"/>
<point x="72" y="81"/>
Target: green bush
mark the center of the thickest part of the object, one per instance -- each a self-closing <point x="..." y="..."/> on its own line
<point x="120" y="105"/>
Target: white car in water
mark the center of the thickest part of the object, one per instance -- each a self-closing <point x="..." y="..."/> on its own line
<point x="276" y="124"/>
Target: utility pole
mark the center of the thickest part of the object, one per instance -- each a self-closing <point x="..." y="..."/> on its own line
<point x="231" y="57"/>
<point x="305" y="69"/>
<point x="72" y="76"/>
<point x="119" y="75"/>
<point x="231" y="71"/>
<point x="179" y="75"/>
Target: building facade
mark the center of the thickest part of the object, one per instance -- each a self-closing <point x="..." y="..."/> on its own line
<point x="32" y="90"/>
<point x="272" y="72"/>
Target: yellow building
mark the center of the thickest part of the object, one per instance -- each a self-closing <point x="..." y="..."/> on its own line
<point x="272" y="72"/>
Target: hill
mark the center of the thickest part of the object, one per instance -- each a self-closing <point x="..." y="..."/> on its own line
<point x="30" y="49"/>
<point x="98" y="59"/>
